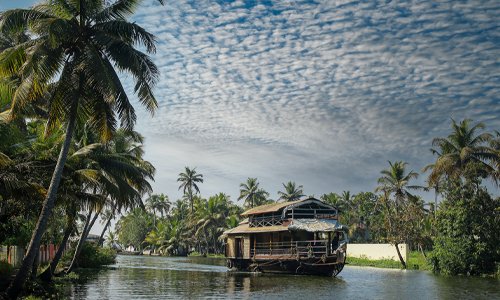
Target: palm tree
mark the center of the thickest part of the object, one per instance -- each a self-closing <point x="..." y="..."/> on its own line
<point x="156" y="238"/>
<point x="111" y="238"/>
<point x="211" y="218"/>
<point x="158" y="203"/>
<point x="395" y="181"/>
<point x="251" y="194"/>
<point x="464" y="152"/>
<point x="117" y="170"/>
<point x="291" y="192"/>
<point x="189" y="180"/>
<point x="77" y="42"/>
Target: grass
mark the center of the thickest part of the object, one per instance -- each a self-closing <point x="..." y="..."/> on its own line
<point x="416" y="261"/>
<point x="208" y="255"/>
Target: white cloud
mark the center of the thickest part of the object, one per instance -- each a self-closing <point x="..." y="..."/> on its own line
<point x="322" y="92"/>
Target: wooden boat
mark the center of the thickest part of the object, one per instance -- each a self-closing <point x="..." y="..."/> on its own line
<point x="298" y="237"/>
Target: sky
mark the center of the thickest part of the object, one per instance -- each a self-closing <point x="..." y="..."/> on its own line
<point x="322" y="93"/>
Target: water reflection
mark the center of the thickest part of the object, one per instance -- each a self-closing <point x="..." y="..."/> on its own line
<point x="136" y="277"/>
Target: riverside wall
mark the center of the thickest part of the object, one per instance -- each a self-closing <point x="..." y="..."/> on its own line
<point x="377" y="251"/>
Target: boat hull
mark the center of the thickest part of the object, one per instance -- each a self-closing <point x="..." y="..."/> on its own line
<point x="326" y="266"/>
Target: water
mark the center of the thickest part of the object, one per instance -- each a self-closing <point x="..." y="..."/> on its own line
<point x="144" y="277"/>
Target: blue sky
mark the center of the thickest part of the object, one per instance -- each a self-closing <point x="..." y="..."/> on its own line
<point x="323" y="93"/>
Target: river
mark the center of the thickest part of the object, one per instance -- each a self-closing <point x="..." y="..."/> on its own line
<point x="145" y="277"/>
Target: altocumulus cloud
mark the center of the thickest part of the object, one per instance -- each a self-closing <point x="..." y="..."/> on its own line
<point x="320" y="92"/>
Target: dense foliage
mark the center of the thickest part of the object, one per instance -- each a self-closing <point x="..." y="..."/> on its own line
<point x="91" y="256"/>
<point x="179" y="230"/>
<point x="468" y="224"/>
<point x="59" y="65"/>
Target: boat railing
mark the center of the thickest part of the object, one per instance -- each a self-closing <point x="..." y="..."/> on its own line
<point x="313" y="248"/>
<point x="265" y="221"/>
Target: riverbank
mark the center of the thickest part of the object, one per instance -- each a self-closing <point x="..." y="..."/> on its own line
<point x="210" y="255"/>
<point x="416" y="261"/>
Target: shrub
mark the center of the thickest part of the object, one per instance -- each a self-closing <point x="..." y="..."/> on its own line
<point x="468" y="226"/>
<point x="92" y="256"/>
<point x="6" y="271"/>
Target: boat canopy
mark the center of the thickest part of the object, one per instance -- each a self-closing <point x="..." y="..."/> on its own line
<point x="245" y="228"/>
<point x="316" y="225"/>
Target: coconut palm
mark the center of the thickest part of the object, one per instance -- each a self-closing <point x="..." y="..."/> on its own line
<point x="395" y="181"/>
<point x="156" y="238"/>
<point x="251" y="194"/>
<point x="115" y="170"/>
<point x="189" y="180"/>
<point x="464" y="153"/>
<point x="158" y="203"/>
<point x="291" y="192"/>
<point x="211" y="216"/>
<point x="78" y="43"/>
<point x="111" y="238"/>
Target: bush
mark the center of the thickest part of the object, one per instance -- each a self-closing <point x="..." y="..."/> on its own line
<point x="6" y="270"/>
<point x="91" y="256"/>
<point x="468" y="225"/>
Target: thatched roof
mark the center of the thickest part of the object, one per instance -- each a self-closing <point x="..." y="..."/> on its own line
<point x="269" y="208"/>
<point x="245" y="228"/>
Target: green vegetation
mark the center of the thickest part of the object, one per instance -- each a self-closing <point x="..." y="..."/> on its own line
<point x="60" y="87"/>
<point x="179" y="230"/>
<point x="6" y="271"/>
<point x="91" y="256"/>
<point x="416" y="261"/>
<point x="211" y="255"/>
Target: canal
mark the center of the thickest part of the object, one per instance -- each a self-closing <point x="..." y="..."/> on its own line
<point x="145" y="277"/>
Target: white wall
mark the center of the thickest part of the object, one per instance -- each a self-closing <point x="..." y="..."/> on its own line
<point x="377" y="251"/>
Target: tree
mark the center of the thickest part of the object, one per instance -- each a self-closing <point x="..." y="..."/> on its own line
<point x="189" y="180"/>
<point x="76" y="43"/>
<point x="291" y="192"/>
<point x="464" y="153"/>
<point x="116" y="172"/>
<point x="467" y="239"/>
<point x="158" y="203"/>
<point x="395" y="181"/>
<point x="251" y="194"/>
<point x="133" y="228"/>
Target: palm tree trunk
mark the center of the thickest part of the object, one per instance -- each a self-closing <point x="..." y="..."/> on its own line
<point x="422" y="250"/>
<point x="16" y="285"/>
<point x="34" y="267"/>
<point x="101" y="237"/>
<point x="191" y="199"/>
<point x="400" y="257"/>
<point x="79" y="246"/>
<point x="49" y="272"/>
<point x="436" y="191"/>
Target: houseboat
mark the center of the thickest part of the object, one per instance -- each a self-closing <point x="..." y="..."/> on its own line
<point x="298" y="237"/>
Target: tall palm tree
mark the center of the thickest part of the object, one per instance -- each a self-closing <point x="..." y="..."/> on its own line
<point x="251" y="194"/>
<point x="189" y="180"/>
<point x="116" y="170"/>
<point x="78" y="43"/>
<point x="291" y="192"/>
<point x="158" y="203"/>
<point x="495" y="147"/>
<point x="395" y="181"/>
<point x="465" y="152"/>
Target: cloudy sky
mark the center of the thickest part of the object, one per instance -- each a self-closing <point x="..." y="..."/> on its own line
<point x="322" y="93"/>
